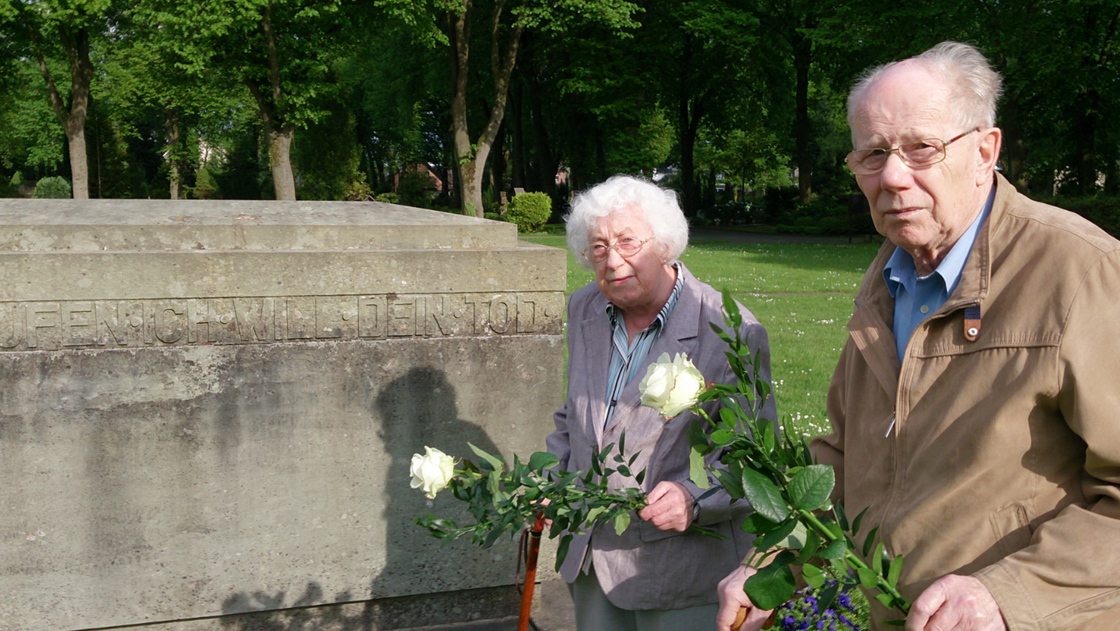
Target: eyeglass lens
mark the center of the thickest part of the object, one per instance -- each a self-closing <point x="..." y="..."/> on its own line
<point x="918" y="153"/>
<point x="626" y="247"/>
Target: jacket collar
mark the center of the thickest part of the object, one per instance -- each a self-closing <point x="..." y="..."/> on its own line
<point x="976" y="276"/>
<point x="870" y="326"/>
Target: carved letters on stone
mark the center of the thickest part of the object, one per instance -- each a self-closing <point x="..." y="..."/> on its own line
<point x="31" y="326"/>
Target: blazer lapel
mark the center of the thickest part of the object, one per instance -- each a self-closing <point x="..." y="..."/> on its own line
<point x="597" y="345"/>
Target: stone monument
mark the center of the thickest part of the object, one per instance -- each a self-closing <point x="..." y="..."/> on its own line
<point x="207" y="409"/>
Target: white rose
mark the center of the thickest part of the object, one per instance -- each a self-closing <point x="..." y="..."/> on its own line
<point x="432" y="472"/>
<point x="657" y="383"/>
<point x="671" y="387"/>
<point x="688" y="383"/>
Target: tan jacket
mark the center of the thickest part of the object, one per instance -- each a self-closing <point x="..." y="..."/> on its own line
<point x="1004" y="458"/>
<point x="647" y="568"/>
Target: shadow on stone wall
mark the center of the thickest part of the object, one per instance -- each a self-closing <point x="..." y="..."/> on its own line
<point x="416" y="409"/>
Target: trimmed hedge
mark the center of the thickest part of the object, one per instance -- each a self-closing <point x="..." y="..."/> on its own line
<point x="53" y="188"/>
<point x="529" y="211"/>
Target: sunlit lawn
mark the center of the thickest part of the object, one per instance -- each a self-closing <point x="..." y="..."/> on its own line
<point x="801" y="292"/>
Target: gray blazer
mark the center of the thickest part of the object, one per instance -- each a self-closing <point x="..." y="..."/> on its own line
<point x="646" y="568"/>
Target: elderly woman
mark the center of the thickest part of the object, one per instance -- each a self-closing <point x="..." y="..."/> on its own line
<point x="657" y="574"/>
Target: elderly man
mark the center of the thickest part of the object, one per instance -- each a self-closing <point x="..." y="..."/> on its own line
<point x="975" y="404"/>
<point x="657" y="575"/>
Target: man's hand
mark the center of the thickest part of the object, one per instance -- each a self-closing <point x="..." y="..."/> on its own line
<point x="732" y="598"/>
<point x="670" y="507"/>
<point x="955" y="603"/>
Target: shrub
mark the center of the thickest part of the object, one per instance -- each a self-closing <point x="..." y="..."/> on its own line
<point x="205" y="186"/>
<point x="53" y="188"/>
<point x="358" y="190"/>
<point x="388" y="198"/>
<point x="416" y="189"/>
<point x="529" y="211"/>
<point x="490" y="202"/>
<point x="494" y="217"/>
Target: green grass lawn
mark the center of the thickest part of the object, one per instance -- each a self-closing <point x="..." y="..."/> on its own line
<point x="801" y="292"/>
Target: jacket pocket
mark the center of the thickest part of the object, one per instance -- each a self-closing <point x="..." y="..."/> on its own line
<point x="1011" y="526"/>
<point x="648" y="532"/>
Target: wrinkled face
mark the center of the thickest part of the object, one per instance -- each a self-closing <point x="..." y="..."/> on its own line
<point x="640" y="282"/>
<point x="922" y="210"/>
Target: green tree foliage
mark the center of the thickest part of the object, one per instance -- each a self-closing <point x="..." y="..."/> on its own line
<point x="704" y="68"/>
<point x="279" y="97"/>
<point x="281" y="51"/>
<point x="49" y="30"/>
<point x="504" y="22"/>
<point x="328" y="155"/>
<point x="31" y="140"/>
<point x="396" y="91"/>
<point x="166" y="100"/>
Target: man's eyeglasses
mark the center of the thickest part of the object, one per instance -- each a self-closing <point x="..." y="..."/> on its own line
<point x="917" y="154"/>
<point x="626" y="248"/>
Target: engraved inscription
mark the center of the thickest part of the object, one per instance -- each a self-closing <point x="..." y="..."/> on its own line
<point x="30" y="326"/>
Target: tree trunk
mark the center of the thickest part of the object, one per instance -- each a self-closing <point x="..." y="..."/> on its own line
<point x="517" y="135"/>
<point x="1085" y="137"/>
<point x="472" y="161"/>
<point x="1015" y="150"/>
<point x="499" y="165"/>
<point x="72" y="118"/>
<point x="278" y="132"/>
<point x="690" y="114"/>
<point x="280" y="160"/>
<point x="79" y="166"/>
<point x="470" y="199"/>
<point x="546" y="165"/>
<point x="802" y="59"/>
<point x="174" y="176"/>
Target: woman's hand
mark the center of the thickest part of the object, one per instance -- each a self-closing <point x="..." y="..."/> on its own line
<point x="670" y="507"/>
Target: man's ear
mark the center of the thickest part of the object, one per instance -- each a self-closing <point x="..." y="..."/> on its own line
<point x="991" y="140"/>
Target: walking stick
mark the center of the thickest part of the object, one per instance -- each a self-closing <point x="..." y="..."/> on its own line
<point x="530" y="572"/>
<point x="741" y="617"/>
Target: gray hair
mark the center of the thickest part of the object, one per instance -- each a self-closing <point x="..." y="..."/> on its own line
<point x="976" y="87"/>
<point x="658" y="206"/>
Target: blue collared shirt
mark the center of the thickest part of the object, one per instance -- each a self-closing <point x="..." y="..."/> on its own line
<point x="626" y="357"/>
<point x="916" y="297"/>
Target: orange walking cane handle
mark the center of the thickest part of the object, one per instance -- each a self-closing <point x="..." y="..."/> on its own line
<point x="741" y="617"/>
